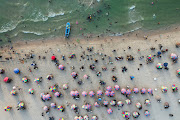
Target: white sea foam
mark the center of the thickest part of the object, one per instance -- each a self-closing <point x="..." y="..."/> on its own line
<point x="32" y="32"/>
<point x="132" y="7"/>
<point x="53" y="14"/>
<point x="9" y="26"/>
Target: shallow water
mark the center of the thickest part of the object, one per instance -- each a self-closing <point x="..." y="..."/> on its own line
<point x="25" y="20"/>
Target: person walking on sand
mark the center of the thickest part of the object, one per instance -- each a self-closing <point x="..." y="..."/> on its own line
<point x="131" y="77"/>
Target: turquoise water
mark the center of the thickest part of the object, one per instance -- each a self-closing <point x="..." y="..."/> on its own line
<point x="38" y="19"/>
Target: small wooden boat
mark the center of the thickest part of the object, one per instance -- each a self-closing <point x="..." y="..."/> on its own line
<point x="67" y="32"/>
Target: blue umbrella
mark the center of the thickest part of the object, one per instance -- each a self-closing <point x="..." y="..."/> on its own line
<point x="165" y="64"/>
<point x="16" y="70"/>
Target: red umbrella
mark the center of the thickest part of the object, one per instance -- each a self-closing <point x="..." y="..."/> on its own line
<point x="53" y="58"/>
<point x="6" y="79"/>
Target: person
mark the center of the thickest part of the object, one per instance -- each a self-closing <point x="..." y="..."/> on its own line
<point x="166" y="66"/>
<point x="159" y="54"/>
<point x="131" y="77"/>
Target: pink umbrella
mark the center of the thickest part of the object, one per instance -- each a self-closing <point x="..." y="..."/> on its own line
<point x="109" y="111"/>
<point x="61" y="67"/>
<point x="76" y="93"/>
<point x="73" y="74"/>
<point x="57" y="94"/>
<point x="150" y="91"/>
<point x="123" y="91"/>
<point x="44" y="97"/>
<point x="48" y="96"/>
<point x="105" y="102"/>
<point x="91" y="93"/>
<point x="107" y="93"/>
<point x="41" y="95"/>
<point x="112" y="93"/>
<point x="109" y="88"/>
<point x="136" y="90"/>
<point x="45" y="108"/>
<point x="72" y="93"/>
<point x="84" y="93"/>
<point x="53" y="105"/>
<point x="96" y="104"/>
<point x="116" y="87"/>
<point x="128" y="92"/>
<point x="143" y="91"/>
<point x="85" y="76"/>
<point x="88" y="107"/>
<point x="99" y="92"/>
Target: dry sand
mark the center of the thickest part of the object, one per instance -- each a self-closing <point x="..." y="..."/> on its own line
<point x="143" y="77"/>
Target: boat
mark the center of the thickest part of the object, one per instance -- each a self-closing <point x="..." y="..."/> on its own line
<point x="67" y="32"/>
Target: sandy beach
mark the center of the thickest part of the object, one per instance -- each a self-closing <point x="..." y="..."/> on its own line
<point x="144" y="77"/>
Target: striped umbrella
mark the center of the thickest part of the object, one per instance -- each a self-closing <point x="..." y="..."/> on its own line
<point x="24" y="79"/>
<point x="116" y="87"/>
<point x="164" y="88"/>
<point x="48" y="96"/>
<point x="123" y="91"/>
<point x="86" y="117"/>
<point x="112" y="103"/>
<point x="31" y="91"/>
<point x="128" y="92"/>
<point x="178" y="71"/>
<point x="174" y="87"/>
<point x="120" y="103"/>
<point x="81" y="118"/>
<point x="13" y="92"/>
<point x="135" y="114"/>
<point x="147" y="113"/>
<point x="45" y="108"/>
<point x="147" y="102"/>
<point x="143" y="90"/>
<point x="84" y="93"/>
<point x="87" y="106"/>
<point x="71" y="55"/>
<point x="76" y="93"/>
<point x="76" y="118"/>
<point x="109" y="111"/>
<point x="73" y="107"/>
<point x="94" y="118"/>
<point x="91" y="93"/>
<point x="128" y="101"/>
<point x="136" y="90"/>
<point x="150" y="91"/>
<point x="138" y="105"/>
<point x="174" y="56"/>
<point x="73" y="74"/>
<point x="57" y="94"/>
<point x="126" y="114"/>
<point x="159" y="66"/>
<point x="61" y="118"/>
<point x="61" y="67"/>
<point x="44" y="97"/>
<point x="150" y="57"/>
<point x="41" y="95"/>
<point x="107" y="93"/>
<point x="99" y="92"/>
<point x="105" y="102"/>
<point x="61" y="108"/>
<point x="7" y="108"/>
<point x="72" y="93"/>
<point x="109" y="88"/>
<point x="65" y="87"/>
<point x="96" y="104"/>
<point x="85" y="76"/>
<point x="49" y="77"/>
<point x="112" y="93"/>
<point x="53" y="105"/>
<point x="37" y="80"/>
<point x="21" y="104"/>
<point x="52" y="88"/>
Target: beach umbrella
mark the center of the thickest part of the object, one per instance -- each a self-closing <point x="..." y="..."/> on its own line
<point x="73" y="107"/>
<point x="112" y="93"/>
<point x="57" y="94"/>
<point x="88" y="107"/>
<point x="61" y="118"/>
<point x="138" y="105"/>
<point x="164" y="88"/>
<point x="105" y="102"/>
<point x="71" y="55"/>
<point x="147" y="113"/>
<point x="53" y="58"/>
<point x="6" y="79"/>
<point x="84" y="93"/>
<point x="31" y="91"/>
<point x="72" y="93"/>
<point x="147" y="102"/>
<point x="120" y="103"/>
<point x="126" y="114"/>
<point x="135" y="114"/>
<point x="174" y="56"/>
<point x="86" y="76"/>
<point x="61" y="67"/>
<point x="99" y="92"/>
<point x="16" y="70"/>
<point x="128" y="101"/>
<point x="159" y="66"/>
<point x="48" y="96"/>
<point x="109" y="111"/>
<point x="52" y="88"/>
<point x="21" y="104"/>
<point x="150" y="91"/>
<point x="7" y="108"/>
<point x="53" y="105"/>
<point x="41" y="95"/>
<point x="24" y="79"/>
<point x="91" y="93"/>
<point x="37" y="80"/>
<point x="116" y="87"/>
<point x="112" y="103"/>
<point x="174" y="87"/>
<point x="123" y="91"/>
<point x="73" y="74"/>
<point x="76" y="93"/>
<point x="61" y="108"/>
<point x="96" y="104"/>
<point x="107" y="93"/>
<point x="109" y="88"/>
<point x="128" y="92"/>
<point x="150" y="57"/>
<point x="65" y="87"/>
<point x="45" y="108"/>
<point x="44" y="97"/>
<point x="49" y="77"/>
<point x="76" y="118"/>
<point x="13" y="92"/>
<point x="1" y="71"/>
<point x="178" y="71"/>
<point x="94" y="118"/>
<point x="81" y="118"/>
<point x="143" y="90"/>
<point x="136" y="90"/>
<point x="86" y="117"/>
